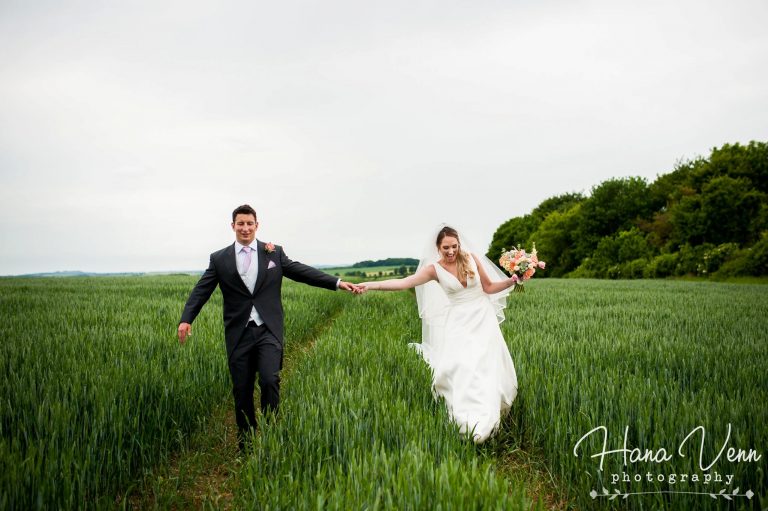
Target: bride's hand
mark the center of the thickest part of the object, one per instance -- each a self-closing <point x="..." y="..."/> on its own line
<point x="365" y="286"/>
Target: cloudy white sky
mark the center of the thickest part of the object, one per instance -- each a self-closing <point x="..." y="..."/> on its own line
<point x="130" y="130"/>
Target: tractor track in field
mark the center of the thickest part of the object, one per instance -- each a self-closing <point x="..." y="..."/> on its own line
<point x="206" y="473"/>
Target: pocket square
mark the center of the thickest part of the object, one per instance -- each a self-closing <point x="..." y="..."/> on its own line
<point x="271" y="265"/>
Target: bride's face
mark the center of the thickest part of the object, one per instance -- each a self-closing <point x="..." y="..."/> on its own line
<point x="449" y="249"/>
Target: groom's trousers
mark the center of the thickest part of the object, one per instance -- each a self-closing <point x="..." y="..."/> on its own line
<point x="257" y="351"/>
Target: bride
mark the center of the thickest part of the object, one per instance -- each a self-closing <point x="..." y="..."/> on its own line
<point x="461" y="297"/>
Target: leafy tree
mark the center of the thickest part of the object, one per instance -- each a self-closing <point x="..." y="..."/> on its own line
<point x="659" y="230"/>
<point x="748" y="261"/>
<point x="736" y="161"/>
<point x="668" y="188"/>
<point x="614" y="205"/>
<point x="726" y="210"/>
<point x="518" y="230"/>
<point x="714" y="258"/>
<point x="687" y="220"/>
<point x="562" y="202"/>
<point x="555" y="240"/>
<point x="690" y="259"/>
<point x="663" y="265"/>
<point x="613" y="255"/>
<point x="729" y="206"/>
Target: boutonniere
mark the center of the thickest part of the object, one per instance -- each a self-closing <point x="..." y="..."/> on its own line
<point x="269" y="247"/>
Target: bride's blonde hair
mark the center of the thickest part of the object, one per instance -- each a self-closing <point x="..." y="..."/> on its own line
<point x="462" y="258"/>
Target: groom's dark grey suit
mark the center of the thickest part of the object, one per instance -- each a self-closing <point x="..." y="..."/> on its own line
<point x="252" y="348"/>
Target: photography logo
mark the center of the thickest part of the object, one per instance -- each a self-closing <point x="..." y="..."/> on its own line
<point x="642" y="471"/>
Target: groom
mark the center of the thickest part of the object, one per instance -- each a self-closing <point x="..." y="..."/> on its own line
<point x="250" y="275"/>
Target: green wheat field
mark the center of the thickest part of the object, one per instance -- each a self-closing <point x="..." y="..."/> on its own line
<point x="97" y="395"/>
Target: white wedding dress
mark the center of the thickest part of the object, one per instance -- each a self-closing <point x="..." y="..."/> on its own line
<point x="472" y="367"/>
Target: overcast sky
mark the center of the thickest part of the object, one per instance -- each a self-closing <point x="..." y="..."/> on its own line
<point x="129" y="131"/>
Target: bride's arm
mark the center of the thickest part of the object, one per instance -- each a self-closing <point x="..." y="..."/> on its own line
<point x="422" y="276"/>
<point x="489" y="286"/>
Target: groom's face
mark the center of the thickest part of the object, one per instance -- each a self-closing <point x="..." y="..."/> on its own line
<point x="245" y="228"/>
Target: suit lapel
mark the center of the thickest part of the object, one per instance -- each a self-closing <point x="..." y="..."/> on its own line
<point x="230" y="268"/>
<point x="262" y="258"/>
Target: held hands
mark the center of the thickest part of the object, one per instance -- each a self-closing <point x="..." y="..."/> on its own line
<point x="355" y="289"/>
<point x="185" y="330"/>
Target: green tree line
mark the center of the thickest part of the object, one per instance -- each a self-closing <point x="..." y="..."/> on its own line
<point x="708" y="216"/>
<point x="401" y="270"/>
<point x="392" y="261"/>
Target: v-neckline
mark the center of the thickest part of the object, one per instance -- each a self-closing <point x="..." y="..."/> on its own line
<point x="454" y="276"/>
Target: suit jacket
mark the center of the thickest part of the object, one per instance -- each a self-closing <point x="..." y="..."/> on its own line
<point x="266" y="296"/>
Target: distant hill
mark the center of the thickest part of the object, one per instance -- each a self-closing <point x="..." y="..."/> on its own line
<point x="392" y="266"/>
<point x="403" y="261"/>
<point x="114" y="274"/>
<point x="57" y="274"/>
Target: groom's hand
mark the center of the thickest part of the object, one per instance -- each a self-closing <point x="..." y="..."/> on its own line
<point x="348" y="286"/>
<point x="185" y="330"/>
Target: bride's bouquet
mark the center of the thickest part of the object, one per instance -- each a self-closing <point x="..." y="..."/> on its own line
<point x="520" y="265"/>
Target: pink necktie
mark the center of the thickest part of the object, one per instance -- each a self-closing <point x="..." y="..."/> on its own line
<point x="246" y="259"/>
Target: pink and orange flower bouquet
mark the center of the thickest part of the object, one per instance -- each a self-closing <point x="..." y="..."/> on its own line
<point x="520" y="265"/>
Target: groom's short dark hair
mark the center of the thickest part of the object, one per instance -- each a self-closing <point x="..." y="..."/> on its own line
<point x="245" y="209"/>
